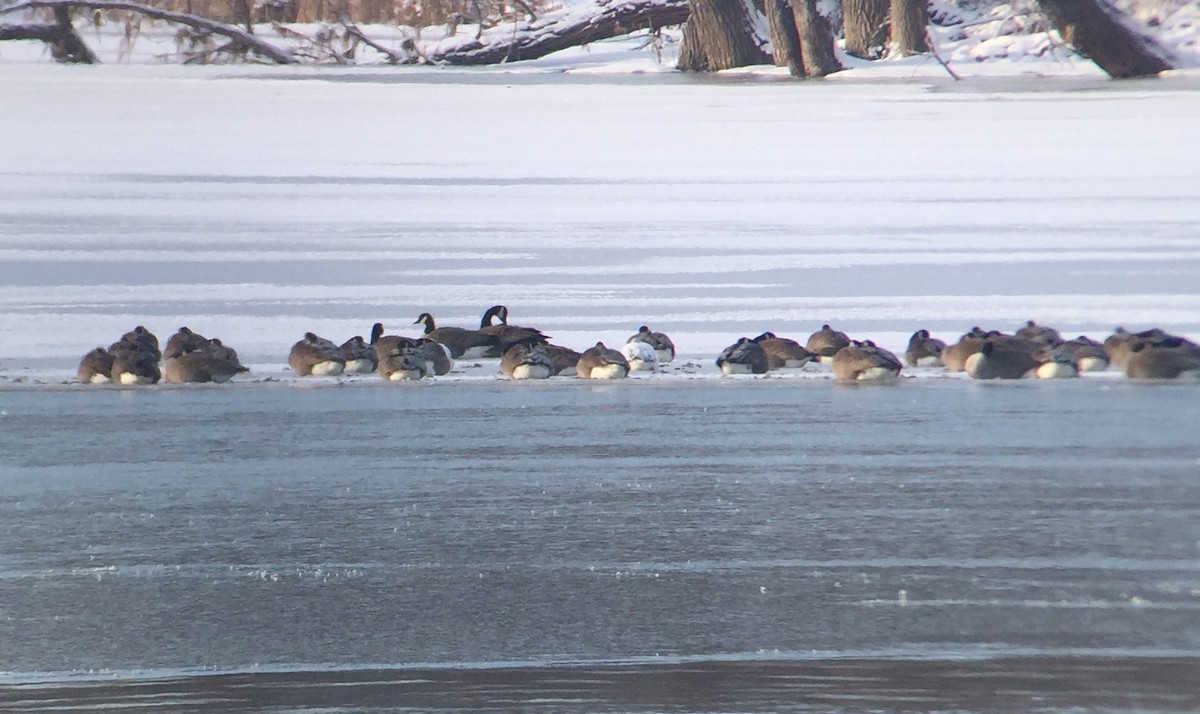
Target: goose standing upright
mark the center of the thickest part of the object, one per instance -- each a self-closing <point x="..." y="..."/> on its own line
<point x="504" y="335"/>
<point x="462" y="343"/>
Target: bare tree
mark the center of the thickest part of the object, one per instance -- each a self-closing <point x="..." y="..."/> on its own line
<point x="785" y="40"/>
<point x="910" y="25"/>
<point x="720" y="34"/>
<point x="239" y="39"/>
<point x="864" y="25"/>
<point x="1096" y="31"/>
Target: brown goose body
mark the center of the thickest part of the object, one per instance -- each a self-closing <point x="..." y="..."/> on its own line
<point x="865" y="362"/>
<point x="200" y="367"/>
<point x="96" y="367"/>
<point x="783" y="353"/>
<point x="523" y="361"/>
<point x="462" y="343"/>
<point x="316" y="356"/>
<point x="826" y="342"/>
<point x="600" y="362"/>
<point x="743" y="357"/>
<point x="664" y="348"/>
<point x="924" y="350"/>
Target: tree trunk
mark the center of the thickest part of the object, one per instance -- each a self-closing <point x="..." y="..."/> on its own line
<point x="816" y="40"/>
<point x="785" y="41"/>
<point x="1096" y="32"/>
<point x="70" y="47"/>
<point x="720" y="35"/>
<point x="865" y="27"/>
<point x="910" y="21"/>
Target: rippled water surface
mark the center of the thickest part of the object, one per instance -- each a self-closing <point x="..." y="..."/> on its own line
<point x="746" y="545"/>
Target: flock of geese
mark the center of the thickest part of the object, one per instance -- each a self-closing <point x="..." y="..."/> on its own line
<point x="1033" y="351"/>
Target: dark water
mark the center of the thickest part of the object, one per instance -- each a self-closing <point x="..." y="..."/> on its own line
<point x="708" y="546"/>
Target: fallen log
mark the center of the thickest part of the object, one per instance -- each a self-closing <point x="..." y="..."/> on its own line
<point x="578" y="25"/>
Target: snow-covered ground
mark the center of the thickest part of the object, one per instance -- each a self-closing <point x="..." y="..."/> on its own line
<point x="255" y="203"/>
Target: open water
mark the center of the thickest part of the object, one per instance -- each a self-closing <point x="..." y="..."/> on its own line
<point x="720" y="545"/>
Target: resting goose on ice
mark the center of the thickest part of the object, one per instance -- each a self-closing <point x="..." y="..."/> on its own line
<point x="184" y="340"/>
<point x="522" y="361"/>
<point x="924" y="350"/>
<point x="865" y="362"/>
<point x="200" y="366"/>
<point x="1088" y="353"/>
<point x="1169" y="358"/>
<point x="360" y="357"/>
<point x="316" y="356"/>
<point x="783" y="353"/>
<point x="96" y="367"/>
<point x="399" y="364"/>
<point x="743" y="357"/>
<point x="826" y="342"/>
<point x="600" y="362"/>
<point x="133" y="363"/>
<point x="565" y="359"/>
<point x="1000" y="360"/>
<point x="664" y="348"/>
<point x="144" y="337"/>
<point x="641" y="356"/>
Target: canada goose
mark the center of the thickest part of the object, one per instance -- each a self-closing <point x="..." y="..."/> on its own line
<point x="1039" y="333"/>
<point x="998" y="361"/>
<point x="1170" y="358"/>
<point x="783" y="353"/>
<point x="825" y="343"/>
<point x="865" y="362"/>
<point x="400" y="365"/>
<point x="359" y="356"/>
<point x="600" y="362"/>
<point x="385" y="344"/>
<point x="522" y="361"/>
<point x="462" y="343"/>
<point x="955" y="356"/>
<point x="144" y="337"/>
<point x="1088" y="353"/>
<point x="220" y="350"/>
<point x="1118" y="345"/>
<point x="664" y="348"/>
<point x="133" y="363"/>
<point x="505" y="335"/>
<point x="565" y="359"/>
<point x="437" y="358"/>
<point x="923" y="350"/>
<point x="199" y="367"/>
<point x="743" y="357"/>
<point x="641" y="356"/>
<point x="1055" y="362"/>
<point x="315" y="356"/>
<point x="184" y="340"/>
<point x="96" y="367"/>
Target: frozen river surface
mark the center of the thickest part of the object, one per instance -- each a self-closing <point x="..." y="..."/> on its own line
<point x="744" y="545"/>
